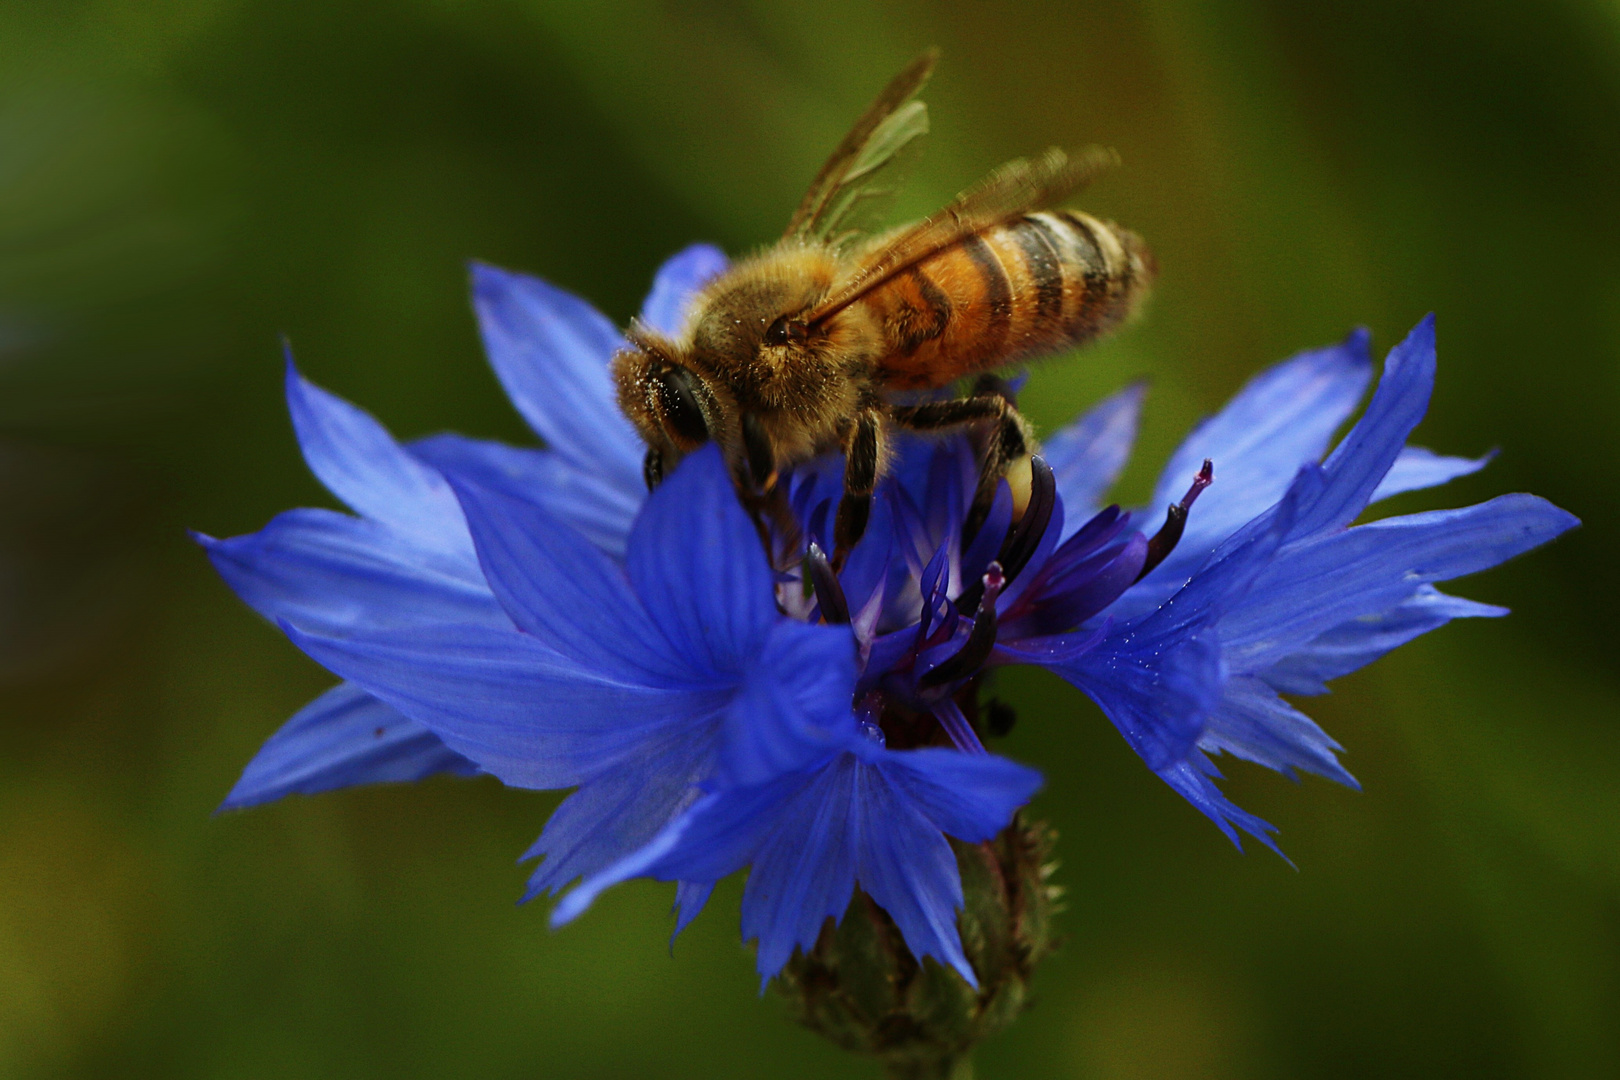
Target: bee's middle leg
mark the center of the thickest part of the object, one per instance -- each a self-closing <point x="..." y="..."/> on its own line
<point x="864" y="446"/>
<point x="1006" y="450"/>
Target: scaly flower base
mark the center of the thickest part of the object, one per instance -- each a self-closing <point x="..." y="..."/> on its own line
<point x="861" y="987"/>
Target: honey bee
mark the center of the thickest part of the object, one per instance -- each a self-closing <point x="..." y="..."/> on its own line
<point x="802" y="348"/>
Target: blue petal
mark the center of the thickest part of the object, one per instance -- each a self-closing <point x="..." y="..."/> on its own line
<point x="1358" y="642"/>
<point x="895" y="809"/>
<point x="586" y="500"/>
<point x="690" y="897"/>
<point x="969" y="797"/>
<point x="1316" y="586"/>
<point x="1194" y="779"/>
<point x="1158" y="690"/>
<point x="1049" y="650"/>
<point x="342" y="738"/>
<point x="865" y="577"/>
<point x="558" y="586"/>
<point x="714" y="839"/>
<point x="1023" y="586"/>
<point x="871" y="815"/>
<point x="1159" y="676"/>
<point x="528" y="715"/>
<point x="619" y="812"/>
<point x="815" y="484"/>
<point x="1281" y="420"/>
<point x="951" y="474"/>
<point x="550" y="350"/>
<point x="677" y="282"/>
<point x="1077" y="591"/>
<point x="907" y="866"/>
<point x="1253" y="723"/>
<point x="794" y="705"/>
<point x="323" y="568"/>
<point x="804" y="873"/>
<point x="697" y="565"/>
<point x="1086" y="457"/>
<point x="360" y="463"/>
<point x="1230" y="571"/>
<point x="1417" y="468"/>
<point x="1359" y="463"/>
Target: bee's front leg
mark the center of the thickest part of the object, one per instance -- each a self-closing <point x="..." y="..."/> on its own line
<point x="759" y="456"/>
<point x="864" y="444"/>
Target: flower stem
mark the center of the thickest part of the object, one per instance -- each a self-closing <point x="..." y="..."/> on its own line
<point x="959" y="1067"/>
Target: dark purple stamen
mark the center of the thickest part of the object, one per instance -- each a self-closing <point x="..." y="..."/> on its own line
<point x="1025" y="537"/>
<point x="829" y="593"/>
<point x="981" y="639"/>
<point x="1175" y="521"/>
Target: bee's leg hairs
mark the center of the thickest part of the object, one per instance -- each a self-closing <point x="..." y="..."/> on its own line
<point x="865" y="449"/>
<point x="1006" y="450"/>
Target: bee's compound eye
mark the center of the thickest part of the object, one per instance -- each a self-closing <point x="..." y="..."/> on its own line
<point x="777" y="332"/>
<point x="681" y="414"/>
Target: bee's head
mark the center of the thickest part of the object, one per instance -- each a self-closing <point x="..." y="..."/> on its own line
<point x="745" y="371"/>
<point x="674" y="406"/>
<point x="747" y="329"/>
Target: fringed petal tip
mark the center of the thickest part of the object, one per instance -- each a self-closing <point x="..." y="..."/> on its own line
<point x="1194" y="779"/>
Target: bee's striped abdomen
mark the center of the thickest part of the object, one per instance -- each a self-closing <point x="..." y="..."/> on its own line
<point x="992" y="318"/>
<point x="1040" y="284"/>
<point x="1039" y="247"/>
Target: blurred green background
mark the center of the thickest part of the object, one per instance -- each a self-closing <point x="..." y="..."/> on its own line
<point x="182" y="182"/>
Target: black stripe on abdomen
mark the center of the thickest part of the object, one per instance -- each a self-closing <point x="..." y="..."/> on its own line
<point x="997" y="292"/>
<point x="1039" y="246"/>
<point x="1090" y="256"/>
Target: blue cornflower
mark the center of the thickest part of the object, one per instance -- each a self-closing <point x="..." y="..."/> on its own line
<point x="534" y="615"/>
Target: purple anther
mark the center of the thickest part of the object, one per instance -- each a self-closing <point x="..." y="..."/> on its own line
<point x="1205" y="477"/>
<point x="1175" y="521"/>
<point x="995" y="579"/>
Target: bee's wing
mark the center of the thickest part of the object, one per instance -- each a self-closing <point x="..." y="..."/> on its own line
<point x="1013" y="190"/>
<point x="891" y="125"/>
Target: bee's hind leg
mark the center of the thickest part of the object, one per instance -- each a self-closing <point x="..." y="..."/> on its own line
<point x="864" y="450"/>
<point x="1006" y="455"/>
<point x="1006" y="449"/>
